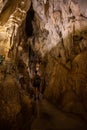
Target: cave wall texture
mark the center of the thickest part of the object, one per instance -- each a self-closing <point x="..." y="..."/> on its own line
<point x="58" y="40"/>
<point x="16" y="106"/>
<point x="60" y="37"/>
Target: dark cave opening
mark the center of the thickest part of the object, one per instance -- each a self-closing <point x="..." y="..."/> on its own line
<point x="29" y="19"/>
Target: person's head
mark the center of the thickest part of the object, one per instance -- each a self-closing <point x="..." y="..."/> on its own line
<point x="37" y="66"/>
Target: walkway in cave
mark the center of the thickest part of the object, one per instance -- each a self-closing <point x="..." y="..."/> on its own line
<point x="50" y="118"/>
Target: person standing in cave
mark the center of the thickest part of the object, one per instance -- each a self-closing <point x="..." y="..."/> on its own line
<point x="21" y="81"/>
<point x="37" y="85"/>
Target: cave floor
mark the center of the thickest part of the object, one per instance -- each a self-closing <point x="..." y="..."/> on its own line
<point x="50" y="118"/>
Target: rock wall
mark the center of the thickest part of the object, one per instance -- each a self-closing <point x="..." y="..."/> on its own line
<point x="54" y="21"/>
<point x="12" y="17"/>
<point x="60" y="37"/>
<point x="16" y="106"/>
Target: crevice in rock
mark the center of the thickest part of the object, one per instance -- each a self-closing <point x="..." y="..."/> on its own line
<point x="28" y="24"/>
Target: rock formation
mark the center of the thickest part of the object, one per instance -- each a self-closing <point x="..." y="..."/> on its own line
<point x="60" y="38"/>
<point x="54" y="34"/>
<point x="16" y="106"/>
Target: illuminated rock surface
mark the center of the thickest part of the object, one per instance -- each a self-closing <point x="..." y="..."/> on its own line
<point x="54" y="34"/>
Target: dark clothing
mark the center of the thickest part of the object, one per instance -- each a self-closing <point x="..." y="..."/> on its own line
<point x="37" y="81"/>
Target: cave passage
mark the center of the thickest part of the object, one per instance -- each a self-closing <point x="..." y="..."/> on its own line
<point x="44" y="37"/>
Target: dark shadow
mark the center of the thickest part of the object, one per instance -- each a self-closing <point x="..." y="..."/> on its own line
<point x="29" y="19"/>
